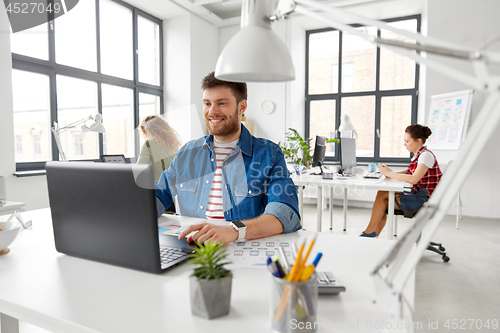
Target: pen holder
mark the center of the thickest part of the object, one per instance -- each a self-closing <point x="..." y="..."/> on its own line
<point x="293" y="305"/>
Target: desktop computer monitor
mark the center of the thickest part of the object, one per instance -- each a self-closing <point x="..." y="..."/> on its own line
<point x="319" y="153"/>
<point x="347" y="156"/>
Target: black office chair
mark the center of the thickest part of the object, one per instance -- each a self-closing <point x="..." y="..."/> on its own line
<point x="434" y="247"/>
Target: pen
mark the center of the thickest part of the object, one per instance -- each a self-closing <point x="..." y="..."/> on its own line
<point x="279" y="267"/>
<point x="286" y="265"/>
<point x="296" y="264"/>
<point x="316" y="260"/>
<point x="295" y="276"/>
<point x="271" y="266"/>
<point x="290" y="278"/>
<point x="294" y="250"/>
<point x="300" y="275"/>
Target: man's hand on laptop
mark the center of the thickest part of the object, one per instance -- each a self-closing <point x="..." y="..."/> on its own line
<point x="207" y="231"/>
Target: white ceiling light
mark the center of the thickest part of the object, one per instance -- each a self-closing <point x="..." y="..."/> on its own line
<point x="255" y="53"/>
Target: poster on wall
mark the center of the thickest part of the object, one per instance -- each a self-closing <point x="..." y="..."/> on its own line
<point x="448" y="119"/>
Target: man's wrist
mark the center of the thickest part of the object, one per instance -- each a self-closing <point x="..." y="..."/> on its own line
<point x="234" y="234"/>
<point x="240" y="228"/>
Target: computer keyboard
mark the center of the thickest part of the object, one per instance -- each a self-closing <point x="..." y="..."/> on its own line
<point x="172" y="256"/>
<point x="327" y="284"/>
<point x="375" y="175"/>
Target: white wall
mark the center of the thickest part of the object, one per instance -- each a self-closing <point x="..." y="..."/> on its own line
<point x="177" y="72"/>
<point x="472" y="25"/>
<point x="32" y="190"/>
<point x="191" y="51"/>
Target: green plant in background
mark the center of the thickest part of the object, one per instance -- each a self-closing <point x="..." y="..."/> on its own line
<point x="295" y="144"/>
<point x="209" y="257"/>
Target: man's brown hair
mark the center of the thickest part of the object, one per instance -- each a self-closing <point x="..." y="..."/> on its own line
<point x="239" y="88"/>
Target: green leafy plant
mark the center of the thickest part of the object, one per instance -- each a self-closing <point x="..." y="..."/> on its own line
<point x="297" y="150"/>
<point x="209" y="258"/>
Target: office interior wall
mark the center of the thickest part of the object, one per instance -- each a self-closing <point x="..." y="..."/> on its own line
<point x="191" y="51"/>
<point x="204" y="54"/>
<point x="468" y="23"/>
<point x="32" y="190"/>
<point x="177" y="73"/>
<point x="295" y="91"/>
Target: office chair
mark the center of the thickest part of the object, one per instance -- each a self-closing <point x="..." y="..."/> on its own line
<point x="434" y="247"/>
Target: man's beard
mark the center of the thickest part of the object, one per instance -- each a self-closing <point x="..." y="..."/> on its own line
<point x="231" y="125"/>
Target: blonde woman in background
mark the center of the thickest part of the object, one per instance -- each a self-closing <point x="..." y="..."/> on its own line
<point x="162" y="142"/>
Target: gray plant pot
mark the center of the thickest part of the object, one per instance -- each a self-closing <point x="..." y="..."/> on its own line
<point x="210" y="298"/>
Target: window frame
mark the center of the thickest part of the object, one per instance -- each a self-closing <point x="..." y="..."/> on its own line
<point x="51" y="69"/>
<point x="377" y="93"/>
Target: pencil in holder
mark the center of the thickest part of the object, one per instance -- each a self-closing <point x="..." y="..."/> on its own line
<point x="293" y="306"/>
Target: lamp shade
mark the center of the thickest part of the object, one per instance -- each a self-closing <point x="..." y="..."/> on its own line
<point x="346" y="124"/>
<point x="97" y="127"/>
<point x="255" y="54"/>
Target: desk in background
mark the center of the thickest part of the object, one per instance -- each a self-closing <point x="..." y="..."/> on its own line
<point x="64" y="294"/>
<point x="351" y="183"/>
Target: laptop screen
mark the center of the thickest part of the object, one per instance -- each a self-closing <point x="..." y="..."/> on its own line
<point x="100" y="213"/>
<point x="113" y="158"/>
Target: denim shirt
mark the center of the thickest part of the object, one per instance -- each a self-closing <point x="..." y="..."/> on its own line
<point x="255" y="181"/>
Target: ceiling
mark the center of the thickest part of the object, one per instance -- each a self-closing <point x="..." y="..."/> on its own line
<point x="227" y="12"/>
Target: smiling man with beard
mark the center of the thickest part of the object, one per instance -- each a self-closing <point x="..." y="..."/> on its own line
<point x="230" y="175"/>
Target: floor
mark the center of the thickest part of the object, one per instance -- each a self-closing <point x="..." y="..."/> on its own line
<point x="464" y="292"/>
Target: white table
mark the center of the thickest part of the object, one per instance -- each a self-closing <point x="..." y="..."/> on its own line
<point x="11" y="206"/>
<point x="64" y="294"/>
<point x="355" y="183"/>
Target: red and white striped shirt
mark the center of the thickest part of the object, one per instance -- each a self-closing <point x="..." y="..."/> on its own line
<point x="214" y="205"/>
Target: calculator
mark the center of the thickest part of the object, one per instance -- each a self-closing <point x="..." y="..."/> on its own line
<point x="327" y="283"/>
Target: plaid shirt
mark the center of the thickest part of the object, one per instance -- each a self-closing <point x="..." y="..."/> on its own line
<point x="431" y="177"/>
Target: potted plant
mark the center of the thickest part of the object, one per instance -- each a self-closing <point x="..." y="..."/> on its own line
<point x="210" y="283"/>
<point x="297" y="150"/>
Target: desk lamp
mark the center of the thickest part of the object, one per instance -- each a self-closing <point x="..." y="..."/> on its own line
<point x="96" y="126"/>
<point x="346" y="128"/>
<point x="394" y="269"/>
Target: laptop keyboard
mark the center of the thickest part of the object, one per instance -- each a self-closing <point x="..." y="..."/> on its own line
<point x="374" y="175"/>
<point x="172" y="256"/>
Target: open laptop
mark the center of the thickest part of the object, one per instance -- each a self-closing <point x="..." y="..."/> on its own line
<point x="100" y="213"/>
<point x="113" y="158"/>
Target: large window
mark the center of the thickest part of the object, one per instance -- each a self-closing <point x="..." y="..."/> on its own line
<point x="377" y="88"/>
<point x="104" y="56"/>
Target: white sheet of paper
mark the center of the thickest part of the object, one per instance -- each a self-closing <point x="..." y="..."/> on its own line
<point x="254" y="253"/>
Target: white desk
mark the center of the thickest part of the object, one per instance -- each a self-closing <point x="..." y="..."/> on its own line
<point x="64" y="294"/>
<point x="355" y="183"/>
<point x="11" y="206"/>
